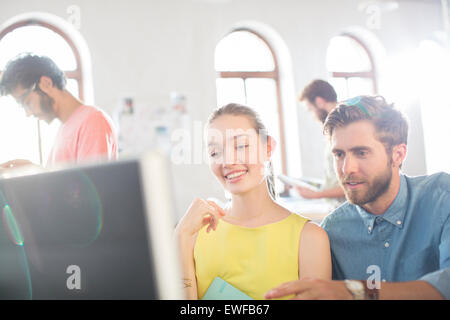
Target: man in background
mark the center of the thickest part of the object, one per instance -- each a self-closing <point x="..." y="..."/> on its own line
<point x="39" y="86"/>
<point x="320" y="98"/>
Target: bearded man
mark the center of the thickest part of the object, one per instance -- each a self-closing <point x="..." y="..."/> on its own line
<point x="391" y="239"/>
<point x="39" y="87"/>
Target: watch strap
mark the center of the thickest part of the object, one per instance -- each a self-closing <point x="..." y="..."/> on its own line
<point x="356" y="294"/>
<point x="371" y="294"/>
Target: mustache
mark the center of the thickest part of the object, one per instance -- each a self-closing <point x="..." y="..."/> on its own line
<point x="351" y="179"/>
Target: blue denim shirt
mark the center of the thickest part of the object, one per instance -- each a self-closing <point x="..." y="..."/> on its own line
<point x="410" y="241"/>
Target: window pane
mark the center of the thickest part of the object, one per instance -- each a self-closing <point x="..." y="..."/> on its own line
<point x="18" y="134"/>
<point x="48" y="135"/>
<point x="359" y="86"/>
<point x="262" y="96"/>
<point x="434" y="77"/>
<point x="340" y="86"/>
<point x="72" y="87"/>
<point x="39" y="40"/>
<point x="230" y="90"/>
<point x="243" y="51"/>
<point x="344" y="54"/>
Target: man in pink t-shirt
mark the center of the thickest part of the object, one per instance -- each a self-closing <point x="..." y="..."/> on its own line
<point x="38" y="85"/>
<point x="87" y="135"/>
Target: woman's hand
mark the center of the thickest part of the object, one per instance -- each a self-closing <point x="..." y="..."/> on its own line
<point x="200" y="213"/>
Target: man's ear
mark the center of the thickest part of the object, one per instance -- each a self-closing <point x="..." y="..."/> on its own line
<point x="45" y="84"/>
<point x="319" y="102"/>
<point x="398" y="154"/>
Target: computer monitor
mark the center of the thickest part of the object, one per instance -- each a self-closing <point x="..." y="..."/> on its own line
<point x="90" y="232"/>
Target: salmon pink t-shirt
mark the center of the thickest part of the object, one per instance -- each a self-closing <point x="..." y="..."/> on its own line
<point x="86" y="136"/>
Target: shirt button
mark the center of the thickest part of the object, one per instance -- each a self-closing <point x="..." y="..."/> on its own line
<point x="370" y="228"/>
<point x="399" y="222"/>
<point x="386" y="244"/>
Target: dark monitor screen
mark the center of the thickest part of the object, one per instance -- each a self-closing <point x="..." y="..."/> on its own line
<point x="84" y="233"/>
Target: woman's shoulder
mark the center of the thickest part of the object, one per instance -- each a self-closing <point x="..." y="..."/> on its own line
<point x="309" y="228"/>
<point x="299" y="218"/>
<point x="313" y="232"/>
<point x="296" y="220"/>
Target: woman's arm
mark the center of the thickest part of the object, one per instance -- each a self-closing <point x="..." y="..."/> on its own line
<point x="200" y="213"/>
<point x="314" y="253"/>
<point x="186" y="253"/>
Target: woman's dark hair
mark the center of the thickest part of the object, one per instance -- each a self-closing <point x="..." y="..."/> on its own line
<point x="27" y="69"/>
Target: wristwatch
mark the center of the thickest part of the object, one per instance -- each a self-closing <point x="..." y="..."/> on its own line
<point x="360" y="291"/>
<point x="356" y="288"/>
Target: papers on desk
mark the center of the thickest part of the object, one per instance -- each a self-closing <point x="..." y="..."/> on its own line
<point x="313" y="185"/>
<point x="314" y="209"/>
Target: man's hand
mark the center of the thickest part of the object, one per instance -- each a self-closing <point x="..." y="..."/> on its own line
<point x="15" y="164"/>
<point x="311" y="289"/>
<point x="308" y="193"/>
<point x="19" y="167"/>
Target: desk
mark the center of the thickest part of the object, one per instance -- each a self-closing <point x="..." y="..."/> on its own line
<point x="314" y="209"/>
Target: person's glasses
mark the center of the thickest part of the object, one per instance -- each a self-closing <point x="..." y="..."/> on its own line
<point x="25" y="96"/>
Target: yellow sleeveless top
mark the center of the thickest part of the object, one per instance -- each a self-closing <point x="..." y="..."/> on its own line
<point x="254" y="260"/>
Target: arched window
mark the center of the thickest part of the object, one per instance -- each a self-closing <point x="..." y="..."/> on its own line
<point x="433" y="67"/>
<point x="351" y="67"/>
<point x="247" y="73"/>
<point x="28" y="138"/>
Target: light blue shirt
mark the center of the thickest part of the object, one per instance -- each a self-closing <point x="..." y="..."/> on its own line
<point x="410" y="241"/>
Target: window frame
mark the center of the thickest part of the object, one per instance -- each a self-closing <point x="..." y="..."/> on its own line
<point x="371" y="74"/>
<point x="76" y="74"/>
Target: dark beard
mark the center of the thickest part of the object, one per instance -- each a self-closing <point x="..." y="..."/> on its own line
<point x="322" y="115"/>
<point x="46" y="104"/>
<point x="377" y="188"/>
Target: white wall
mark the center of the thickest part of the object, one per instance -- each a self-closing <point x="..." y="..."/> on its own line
<point x="149" y="48"/>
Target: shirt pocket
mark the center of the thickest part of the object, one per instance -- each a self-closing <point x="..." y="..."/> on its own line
<point x="419" y="264"/>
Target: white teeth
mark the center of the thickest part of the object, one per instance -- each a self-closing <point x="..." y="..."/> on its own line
<point x="235" y="175"/>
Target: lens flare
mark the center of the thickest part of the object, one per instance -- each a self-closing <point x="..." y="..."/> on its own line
<point x="84" y="201"/>
<point x="12" y="226"/>
<point x="15" y="279"/>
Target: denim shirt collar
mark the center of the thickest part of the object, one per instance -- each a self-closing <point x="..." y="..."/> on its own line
<point x="395" y="214"/>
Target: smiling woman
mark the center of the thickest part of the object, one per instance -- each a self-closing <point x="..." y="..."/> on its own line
<point x="253" y="244"/>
